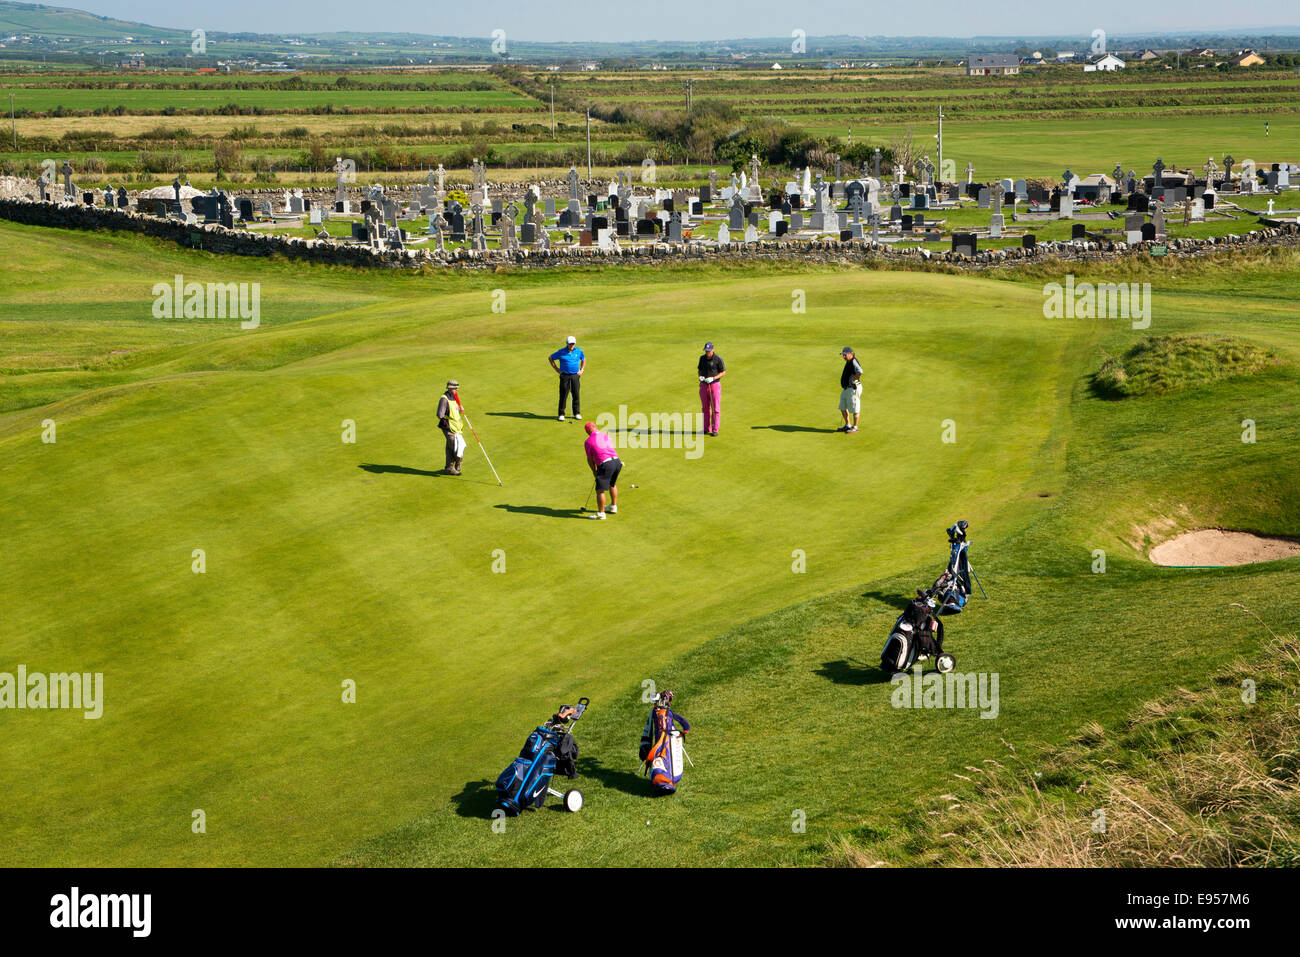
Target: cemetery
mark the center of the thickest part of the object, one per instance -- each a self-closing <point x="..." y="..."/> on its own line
<point x="875" y="212"/>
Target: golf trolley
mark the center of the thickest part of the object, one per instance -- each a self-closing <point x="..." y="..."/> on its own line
<point x="550" y="748"/>
<point x="917" y="633"/>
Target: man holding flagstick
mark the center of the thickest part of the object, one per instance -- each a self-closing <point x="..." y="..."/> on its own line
<point x="449" y="422"/>
<point x="449" y="419"/>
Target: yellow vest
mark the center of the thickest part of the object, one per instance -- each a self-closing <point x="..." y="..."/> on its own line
<point x="453" y="416"/>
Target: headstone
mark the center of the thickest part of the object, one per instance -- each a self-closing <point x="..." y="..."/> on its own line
<point x="724" y="234"/>
<point x="1078" y="231"/>
<point x="122" y="201"/>
<point x="1148" y="232"/>
<point x="736" y="214"/>
<point x="964" y="244"/>
<point x="985" y="197"/>
<point x="1028" y="241"/>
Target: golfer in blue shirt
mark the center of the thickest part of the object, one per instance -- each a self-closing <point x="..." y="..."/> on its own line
<point x="569" y="364"/>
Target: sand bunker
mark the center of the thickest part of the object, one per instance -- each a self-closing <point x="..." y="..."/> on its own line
<point x="1214" y="546"/>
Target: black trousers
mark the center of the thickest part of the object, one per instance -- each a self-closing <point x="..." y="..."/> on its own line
<point x="569" y="382"/>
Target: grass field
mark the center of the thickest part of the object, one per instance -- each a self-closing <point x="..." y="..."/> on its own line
<point x="328" y="562"/>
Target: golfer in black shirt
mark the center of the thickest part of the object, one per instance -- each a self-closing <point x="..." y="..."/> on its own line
<point x="711" y="370"/>
<point x="850" y="391"/>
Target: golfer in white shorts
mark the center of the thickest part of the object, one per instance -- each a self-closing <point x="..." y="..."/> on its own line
<point x="850" y="391"/>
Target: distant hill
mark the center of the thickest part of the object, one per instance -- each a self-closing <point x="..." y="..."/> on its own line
<point x="38" y="20"/>
<point x="74" y="34"/>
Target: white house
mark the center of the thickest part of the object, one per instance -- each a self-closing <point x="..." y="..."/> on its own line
<point x="1107" y="62"/>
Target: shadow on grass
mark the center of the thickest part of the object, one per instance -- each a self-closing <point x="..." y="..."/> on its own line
<point x="893" y="600"/>
<point x="629" y="782"/>
<point x="521" y="415"/>
<point x="852" y="673"/>
<point x="543" y="510"/>
<point x="476" y="799"/>
<point x="793" y="428"/>
<point x="397" y="470"/>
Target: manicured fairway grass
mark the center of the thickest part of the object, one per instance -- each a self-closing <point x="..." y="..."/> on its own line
<point x="329" y="561"/>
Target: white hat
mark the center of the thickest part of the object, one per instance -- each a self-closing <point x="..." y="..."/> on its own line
<point x="570" y="341"/>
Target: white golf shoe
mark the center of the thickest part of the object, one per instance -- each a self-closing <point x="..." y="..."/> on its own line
<point x="613" y="510"/>
<point x="560" y="419"/>
<point x="600" y="516"/>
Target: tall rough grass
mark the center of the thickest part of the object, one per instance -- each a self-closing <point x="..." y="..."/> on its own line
<point x="1198" y="778"/>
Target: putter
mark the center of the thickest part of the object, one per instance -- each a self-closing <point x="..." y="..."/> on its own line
<point x="588" y="501"/>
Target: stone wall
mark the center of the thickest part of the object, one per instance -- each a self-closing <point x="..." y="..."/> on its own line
<point x="238" y="242"/>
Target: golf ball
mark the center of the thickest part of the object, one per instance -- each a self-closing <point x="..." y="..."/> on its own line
<point x="647" y="823"/>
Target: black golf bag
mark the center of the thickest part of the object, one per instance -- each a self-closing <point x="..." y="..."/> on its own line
<point x="549" y="748"/>
<point x="917" y="633"/>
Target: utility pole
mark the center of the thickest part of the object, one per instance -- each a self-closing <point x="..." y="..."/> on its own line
<point x="13" y="121"/>
<point x="552" y="109"/>
<point x="940" y="138"/>
<point x="588" y="143"/>
<point x="689" y="90"/>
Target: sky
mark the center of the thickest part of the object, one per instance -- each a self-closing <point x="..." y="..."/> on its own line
<point x="621" y="20"/>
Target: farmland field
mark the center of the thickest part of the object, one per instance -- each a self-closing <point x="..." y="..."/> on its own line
<point x="1032" y="125"/>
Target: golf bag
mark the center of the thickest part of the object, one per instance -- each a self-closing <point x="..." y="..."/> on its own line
<point x="956" y="580"/>
<point x="917" y="634"/>
<point x="550" y="748"/>
<point x="661" y="751"/>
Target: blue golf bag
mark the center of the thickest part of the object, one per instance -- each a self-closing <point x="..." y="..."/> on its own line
<point x="524" y="783"/>
<point x="550" y="747"/>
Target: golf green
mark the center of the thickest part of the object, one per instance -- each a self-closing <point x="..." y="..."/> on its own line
<point x="756" y="573"/>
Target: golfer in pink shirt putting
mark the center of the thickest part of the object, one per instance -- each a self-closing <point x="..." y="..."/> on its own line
<point x="603" y="461"/>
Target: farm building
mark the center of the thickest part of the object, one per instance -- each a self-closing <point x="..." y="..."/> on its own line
<point x="1247" y="58"/>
